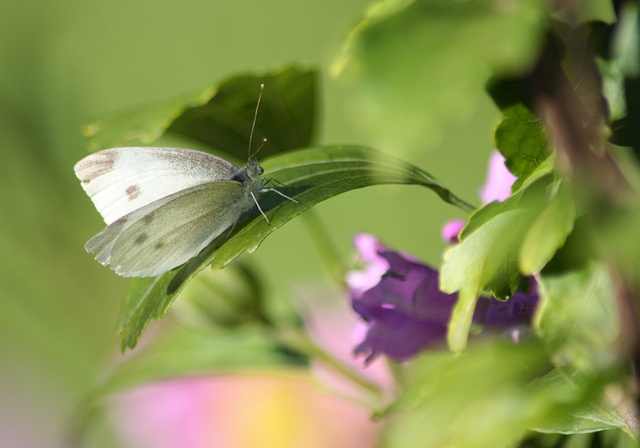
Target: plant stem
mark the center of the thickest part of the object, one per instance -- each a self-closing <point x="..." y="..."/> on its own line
<point x="298" y="340"/>
<point x="325" y="246"/>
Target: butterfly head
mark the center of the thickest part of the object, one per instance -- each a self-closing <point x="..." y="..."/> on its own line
<point x="253" y="169"/>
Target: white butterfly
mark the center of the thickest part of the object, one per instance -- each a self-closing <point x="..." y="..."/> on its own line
<point x="163" y="206"/>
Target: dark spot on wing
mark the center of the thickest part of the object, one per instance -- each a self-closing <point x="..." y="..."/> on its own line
<point x="147" y="219"/>
<point x="158" y="245"/>
<point x="133" y="191"/>
<point x="141" y="238"/>
<point x="96" y="165"/>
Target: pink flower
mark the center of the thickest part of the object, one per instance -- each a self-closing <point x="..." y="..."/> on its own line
<point x="452" y="229"/>
<point x="225" y="411"/>
<point x="499" y="180"/>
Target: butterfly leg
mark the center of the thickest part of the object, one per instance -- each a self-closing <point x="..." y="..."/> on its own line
<point x="259" y="208"/>
<point x="281" y="194"/>
<point x="271" y="179"/>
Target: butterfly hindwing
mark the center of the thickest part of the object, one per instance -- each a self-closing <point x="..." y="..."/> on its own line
<point x="168" y="232"/>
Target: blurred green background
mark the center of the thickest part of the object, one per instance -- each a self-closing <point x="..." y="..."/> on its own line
<point x="66" y="63"/>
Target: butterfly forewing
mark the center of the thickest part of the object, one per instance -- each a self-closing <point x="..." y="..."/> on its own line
<point x="122" y="180"/>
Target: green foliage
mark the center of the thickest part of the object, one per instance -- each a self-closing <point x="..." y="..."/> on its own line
<point x="486" y="260"/>
<point x="565" y="230"/>
<point x="501" y="241"/>
<point x="592" y="415"/>
<point x="190" y="351"/>
<point x="399" y="61"/>
<point x="488" y="396"/>
<point x="310" y="176"/>
<point x="578" y="319"/>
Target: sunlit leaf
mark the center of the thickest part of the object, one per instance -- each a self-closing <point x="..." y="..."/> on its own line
<point x="485" y="260"/>
<point x="503" y="240"/>
<point x="530" y="196"/>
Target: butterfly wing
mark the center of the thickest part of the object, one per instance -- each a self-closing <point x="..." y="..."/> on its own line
<point x="167" y="233"/>
<point x="121" y="180"/>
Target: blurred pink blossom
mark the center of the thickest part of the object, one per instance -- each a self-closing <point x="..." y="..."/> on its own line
<point x="452" y="229"/>
<point x="276" y="410"/>
<point x="499" y="180"/>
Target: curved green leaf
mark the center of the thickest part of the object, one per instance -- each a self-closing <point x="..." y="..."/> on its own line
<point x="221" y="115"/>
<point x="309" y="176"/>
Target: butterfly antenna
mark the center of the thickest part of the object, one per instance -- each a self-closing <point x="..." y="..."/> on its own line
<point x="264" y="140"/>
<point x="253" y="126"/>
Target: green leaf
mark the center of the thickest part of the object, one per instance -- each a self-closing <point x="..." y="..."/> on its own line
<point x="485" y="260"/>
<point x="488" y="396"/>
<point x="613" y="88"/>
<point x="521" y="137"/>
<point x="221" y="115"/>
<point x="417" y="65"/>
<point x="530" y="196"/>
<point x="503" y="240"/>
<point x="626" y="40"/>
<point x="577" y="317"/>
<point x="311" y="176"/>
<point x="548" y="232"/>
<point x="285" y="118"/>
<point x="522" y="140"/>
<point x="593" y="415"/>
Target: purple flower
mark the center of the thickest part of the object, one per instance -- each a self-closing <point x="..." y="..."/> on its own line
<point x="404" y="309"/>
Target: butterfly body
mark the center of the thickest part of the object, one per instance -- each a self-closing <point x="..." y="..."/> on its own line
<point x="162" y="206"/>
